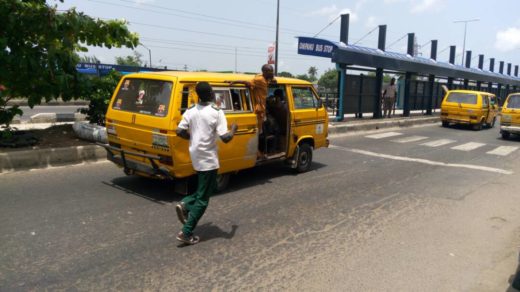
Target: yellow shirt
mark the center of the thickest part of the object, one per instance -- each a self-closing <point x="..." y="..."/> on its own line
<point x="259" y="89"/>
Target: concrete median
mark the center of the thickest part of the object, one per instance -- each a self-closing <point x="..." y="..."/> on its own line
<point x="43" y="158"/>
<point x="336" y="128"/>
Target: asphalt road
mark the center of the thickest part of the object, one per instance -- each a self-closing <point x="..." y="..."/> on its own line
<point x="376" y="213"/>
<point x="59" y="109"/>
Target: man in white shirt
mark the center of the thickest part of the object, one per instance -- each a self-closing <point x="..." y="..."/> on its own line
<point x="201" y="124"/>
<point x="389" y="95"/>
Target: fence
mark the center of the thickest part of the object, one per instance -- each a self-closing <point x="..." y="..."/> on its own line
<point x="360" y="94"/>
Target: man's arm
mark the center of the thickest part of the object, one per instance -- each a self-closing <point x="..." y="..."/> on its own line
<point x="229" y="135"/>
<point x="183" y="133"/>
<point x="243" y="82"/>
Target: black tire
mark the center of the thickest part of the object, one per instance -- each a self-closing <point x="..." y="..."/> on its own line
<point x="445" y="124"/>
<point x="304" y="158"/>
<point x="505" y="135"/>
<point x="477" y="127"/>
<point x="222" y="181"/>
<point x="492" y="124"/>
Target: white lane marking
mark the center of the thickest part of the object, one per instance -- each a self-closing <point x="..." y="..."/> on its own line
<point x="410" y="139"/>
<point x="503" y="150"/>
<point x="383" y="135"/>
<point x="423" y="161"/>
<point x="437" y="143"/>
<point x="468" y="146"/>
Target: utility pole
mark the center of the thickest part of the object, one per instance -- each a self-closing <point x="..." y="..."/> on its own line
<point x="465" y="29"/>
<point x="276" y="44"/>
<point x="149" y="54"/>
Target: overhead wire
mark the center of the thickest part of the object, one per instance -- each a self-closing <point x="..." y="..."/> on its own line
<point x="206" y="45"/>
<point x="327" y="26"/>
<point x="198" y="16"/>
<point x="203" y="32"/>
<point x="222" y="52"/>
<point x="367" y="34"/>
<point x="398" y="40"/>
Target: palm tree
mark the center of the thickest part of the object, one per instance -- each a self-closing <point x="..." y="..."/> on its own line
<point x="313" y="71"/>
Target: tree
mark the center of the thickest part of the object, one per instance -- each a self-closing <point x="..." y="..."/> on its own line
<point x="88" y="59"/>
<point x="39" y="46"/>
<point x="100" y="97"/>
<point x="285" y="74"/>
<point x="329" y="80"/>
<point x="313" y="71"/>
<point x="303" y="77"/>
<point x="134" y="60"/>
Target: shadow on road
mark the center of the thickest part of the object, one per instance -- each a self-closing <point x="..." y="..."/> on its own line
<point x="208" y="231"/>
<point x="162" y="191"/>
<point x="514" y="281"/>
<point x="262" y="175"/>
<point x="465" y="127"/>
<point x="157" y="191"/>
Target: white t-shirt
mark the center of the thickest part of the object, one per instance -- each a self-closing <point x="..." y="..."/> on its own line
<point x="205" y="123"/>
<point x="391" y="91"/>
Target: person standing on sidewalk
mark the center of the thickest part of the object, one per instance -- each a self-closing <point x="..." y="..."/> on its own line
<point x="201" y="124"/>
<point x="389" y="94"/>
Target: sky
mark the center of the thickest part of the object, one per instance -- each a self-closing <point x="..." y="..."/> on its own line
<point x="234" y="35"/>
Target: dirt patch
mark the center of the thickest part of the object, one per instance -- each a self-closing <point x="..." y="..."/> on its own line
<point x="52" y="137"/>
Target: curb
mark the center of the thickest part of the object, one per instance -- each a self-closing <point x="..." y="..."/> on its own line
<point x="51" y="118"/>
<point x="42" y="158"/>
<point x="23" y="102"/>
<point x="336" y="128"/>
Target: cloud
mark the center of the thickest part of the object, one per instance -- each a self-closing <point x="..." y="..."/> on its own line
<point x="508" y="39"/>
<point x="332" y="12"/>
<point x="421" y="6"/>
<point x="394" y="1"/>
<point x="371" y="22"/>
<point x="139" y="2"/>
<point x="418" y="6"/>
<point x="324" y="11"/>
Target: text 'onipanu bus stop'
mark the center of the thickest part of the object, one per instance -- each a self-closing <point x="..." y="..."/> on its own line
<point x="421" y="79"/>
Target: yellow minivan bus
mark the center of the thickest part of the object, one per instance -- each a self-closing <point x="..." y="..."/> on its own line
<point x="474" y="108"/>
<point x="146" y="108"/>
<point x="510" y="116"/>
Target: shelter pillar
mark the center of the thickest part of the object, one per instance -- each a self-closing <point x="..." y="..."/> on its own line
<point x="342" y="72"/>
<point x="481" y="67"/>
<point x="491" y="68"/>
<point x="408" y="77"/>
<point x="452" y="61"/>
<point x="431" y="78"/>
<point x="379" y="74"/>
<point x="468" y="65"/>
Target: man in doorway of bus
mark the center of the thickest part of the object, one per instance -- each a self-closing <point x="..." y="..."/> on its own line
<point x="389" y="94"/>
<point x="201" y="124"/>
<point x="259" y="87"/>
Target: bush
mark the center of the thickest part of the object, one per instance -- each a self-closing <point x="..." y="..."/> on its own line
<point x="99" y="91"/>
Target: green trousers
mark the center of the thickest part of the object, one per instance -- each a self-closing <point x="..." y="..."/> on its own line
<point x="197" y="202"/>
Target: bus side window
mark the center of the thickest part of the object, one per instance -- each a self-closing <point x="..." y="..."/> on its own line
<point x="185" y="99"/>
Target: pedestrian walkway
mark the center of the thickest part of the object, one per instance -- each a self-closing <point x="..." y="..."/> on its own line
<point x="452" y="144"/>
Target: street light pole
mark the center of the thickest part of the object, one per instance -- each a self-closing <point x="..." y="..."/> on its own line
<point x="276" y="44"/>
<point x="149" y="54"/>
<point x="465" y="29"/>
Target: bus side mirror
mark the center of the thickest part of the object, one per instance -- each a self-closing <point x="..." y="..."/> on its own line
<point x="320" y="103"/>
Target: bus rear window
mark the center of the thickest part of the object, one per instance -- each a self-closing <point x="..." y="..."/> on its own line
<point x="144" y="96"/>
<point x="514" y="101"/>
<point x="459" y="97"/>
